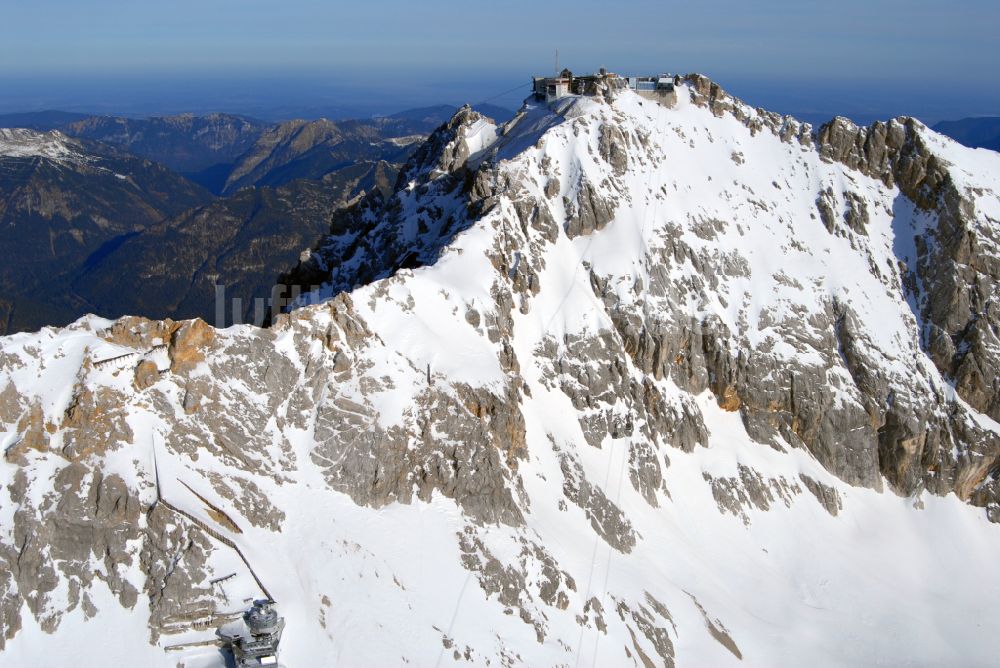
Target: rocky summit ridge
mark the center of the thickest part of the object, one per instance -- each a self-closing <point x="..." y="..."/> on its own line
<point x="609" y="384"/>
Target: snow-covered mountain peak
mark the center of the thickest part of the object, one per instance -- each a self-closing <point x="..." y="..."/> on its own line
<point x="613" y="383"/>
<point x="25" y="143"/>
<point x="713" y="220"/>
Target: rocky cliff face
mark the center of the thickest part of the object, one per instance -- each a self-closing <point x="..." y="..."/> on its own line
<point x="953" y="272"/>
<point x="611" y="383"/>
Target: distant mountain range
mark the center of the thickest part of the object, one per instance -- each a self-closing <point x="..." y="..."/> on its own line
<point x="186" y="144"/>
<point x="42" y="121"/>
<point x="224" y="152"/>
<point x="170" y="206"/>
<point x="241" y="242"/>
<point x="312" y="149"/>
<point x="63" y="203"/>
<point x="983" y="132"/>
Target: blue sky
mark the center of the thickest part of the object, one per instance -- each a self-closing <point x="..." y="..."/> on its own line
<point x="884" y="56"/>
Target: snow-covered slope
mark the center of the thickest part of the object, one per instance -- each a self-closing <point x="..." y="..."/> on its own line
<point x="54" y="145"/>
<point x="613" y="384"/>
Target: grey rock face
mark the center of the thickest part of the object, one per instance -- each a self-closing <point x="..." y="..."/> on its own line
<point x="649" y="622"/>
<point x="173" y="559"/>
<point x="377" y="467"/>
<point x="736" y="495"/>
<point x="614" y="148"/>
<point x="796" y="403"/>
<point x="87" y="519"/>
<point x="251" y="502"/>
<point x="513" y="583"/>
<point x="591" y="212"/>
<point x="718" y="631"/>
<point x="444" y="153"/>
<point x="827" y="496"/>
<point x="855" y="215"/>
<point x="707" y="93"/>
<point x="607" y="519"/>
<point x="952" y="279"/>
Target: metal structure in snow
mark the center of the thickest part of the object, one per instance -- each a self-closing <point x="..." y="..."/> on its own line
<point x="254" y="639"/>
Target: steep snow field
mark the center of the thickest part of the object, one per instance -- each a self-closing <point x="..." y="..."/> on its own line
<point x="728" y="559"/>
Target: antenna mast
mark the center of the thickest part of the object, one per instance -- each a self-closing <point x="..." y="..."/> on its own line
<point x="557" y="62"/>
<point x="156" y="471"/>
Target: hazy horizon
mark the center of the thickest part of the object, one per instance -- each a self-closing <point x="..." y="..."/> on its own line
<point x="276" y="98"/>
<point x="856" y="58"/>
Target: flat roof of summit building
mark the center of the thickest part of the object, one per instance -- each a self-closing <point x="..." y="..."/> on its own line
<point x="659" y="88"/>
